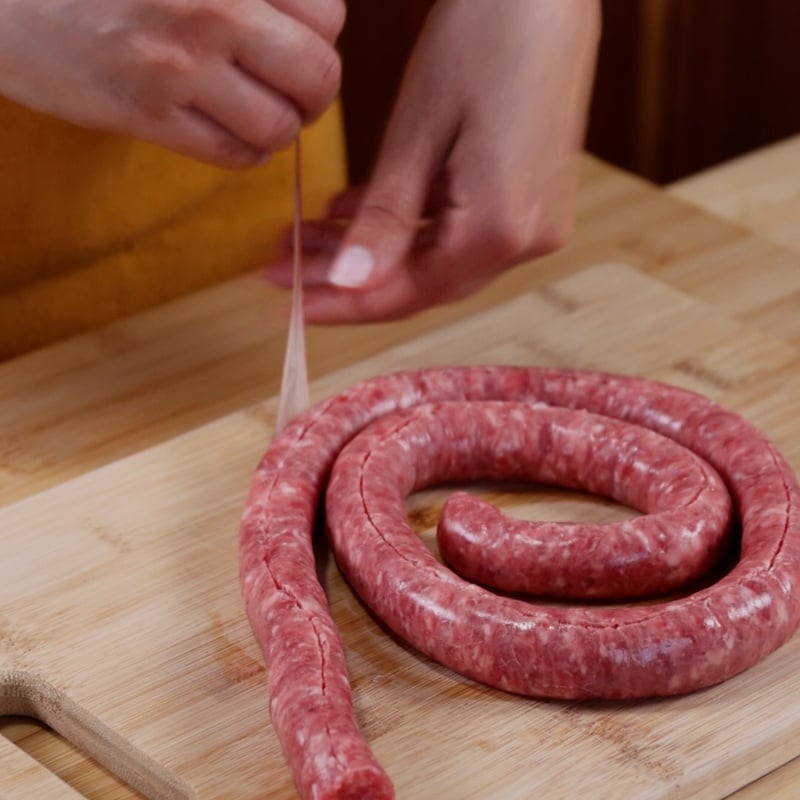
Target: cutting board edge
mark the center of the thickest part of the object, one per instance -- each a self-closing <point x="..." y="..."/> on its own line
<point x="24" y="693"/>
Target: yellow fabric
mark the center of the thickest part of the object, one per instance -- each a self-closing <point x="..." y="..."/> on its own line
<point x="95" y="226"/>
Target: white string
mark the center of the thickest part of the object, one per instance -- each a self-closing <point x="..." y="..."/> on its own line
<point x="295" y="395"/>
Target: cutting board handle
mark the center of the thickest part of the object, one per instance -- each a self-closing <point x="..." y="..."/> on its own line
<point x="25" y="694"/>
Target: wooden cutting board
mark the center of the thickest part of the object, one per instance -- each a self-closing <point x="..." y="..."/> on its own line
<point x="122" y="627"/>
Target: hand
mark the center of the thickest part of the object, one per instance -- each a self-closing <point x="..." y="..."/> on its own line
<point x="477" y="169"/>
<point x="223" y="81"/>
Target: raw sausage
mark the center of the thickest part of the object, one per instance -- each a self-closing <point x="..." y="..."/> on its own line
<point x="680" y="538"/>
<point x="664" y="648"/>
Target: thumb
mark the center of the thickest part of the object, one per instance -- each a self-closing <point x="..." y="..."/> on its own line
<point x="387" y="219"/>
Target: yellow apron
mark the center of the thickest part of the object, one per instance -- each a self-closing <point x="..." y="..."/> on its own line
<point x="95" y="226"/>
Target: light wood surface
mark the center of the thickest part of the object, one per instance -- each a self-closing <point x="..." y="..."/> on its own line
<point x="760" y="191"/>
<point x="28" y="778"/>
<point x="91" y="401"/>
<point x="124" y="630"/>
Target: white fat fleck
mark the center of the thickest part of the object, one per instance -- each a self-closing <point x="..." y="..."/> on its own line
<point x="750" y="607"/>
<point x="665" y="421"/>
<point x="711" y="622"/>
<point x="640" y="465"/>
<point x="674" y="558"/>
<point x="636" y="532"/>
<point x="427" y="603"/>
<point x="693" y="532"/>
<point x="785" y="583"/>
<point x="618" y="656"/>
<point x="465" y="534"/>
<point x="386" y="406"/>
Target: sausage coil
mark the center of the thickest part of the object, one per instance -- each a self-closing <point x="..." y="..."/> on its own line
<point x="690" y="465"/>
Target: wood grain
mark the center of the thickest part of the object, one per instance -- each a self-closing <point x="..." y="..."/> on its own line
<point x="30" y="778"/>
<point x="682" y="85"/>
<point x="122" y="626"/>
<point x="781" y="784"/>
<point x="46" y="762"/>
<point x="90" y="401"/>
<point x="760" y="191"/>
<point x="81" y="403"/>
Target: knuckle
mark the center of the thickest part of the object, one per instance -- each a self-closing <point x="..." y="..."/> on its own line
<point x="506" y="240"/>
<point x="382" y="213"/>
<point x="325" y="17"/>
<point x="330" y="74"/>
<point x="332" y="19"/>
<point x="201" y="12"/>
<point x="554" y="237"/>
<point x="512" y="236"/>
<point x="156" y="72"/>
<point x="554" y="232"/>
<point x="283" y="129"/>
<point x="225" y="151"/>
<point x="327" y="77"/>
<point x="197" y="26"/>
<point x="164" y="61"/>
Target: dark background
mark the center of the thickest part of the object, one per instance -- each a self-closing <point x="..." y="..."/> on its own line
<point x="681" y="84"/>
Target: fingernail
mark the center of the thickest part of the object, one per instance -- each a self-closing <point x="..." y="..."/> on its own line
<point x="352" y="267"/>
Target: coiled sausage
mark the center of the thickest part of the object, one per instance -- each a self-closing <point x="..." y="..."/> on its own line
<point x="580" y="651"/>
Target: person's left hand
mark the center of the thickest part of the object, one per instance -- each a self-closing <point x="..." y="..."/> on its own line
<point x="477" y="170"/>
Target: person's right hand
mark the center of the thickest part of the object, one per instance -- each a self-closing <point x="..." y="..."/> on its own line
<point x="222" y="81"/>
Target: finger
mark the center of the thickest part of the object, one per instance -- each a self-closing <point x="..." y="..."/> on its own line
<point x="326" y="17"/>
<point x="323" y="235"/>
<point x="449" y="260"/>
<point x="192" y="134"/>
<point x="388" y="215"/>
<point x="439" y="195"/>
<point x="315" y="271"/>
<point x="408" y="289"/>
<point x="404" y="293"/>
<point x="246" y="108"/>
<point x="291" y="59"/>
<point x="377" y="243"/>
<point x="395" y="298"/>
<point x="320" y="241"/>
<point x="345" y="205"/>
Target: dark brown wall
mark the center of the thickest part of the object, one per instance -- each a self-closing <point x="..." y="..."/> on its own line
<point x="681" y="84"/>
<point x="376" y="41"/>
<point x="684" y="84"/>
